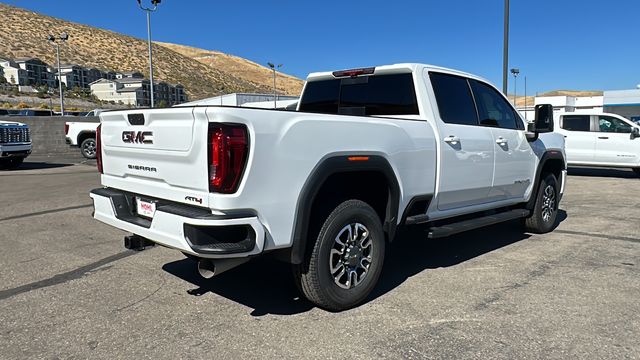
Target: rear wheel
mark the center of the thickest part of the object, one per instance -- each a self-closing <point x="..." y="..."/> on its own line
<point x="88" y="148"/>
<point x="345" y="261"/>
<point x="545" y="211"/>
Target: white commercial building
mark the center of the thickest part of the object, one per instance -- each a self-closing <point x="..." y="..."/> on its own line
<point x="239" y="99"/>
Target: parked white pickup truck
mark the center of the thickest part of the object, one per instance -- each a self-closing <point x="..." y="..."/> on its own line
<point x="327" y="186"/>
<point x="82" y="135"/>
<point x="15" y="144"/>
<point x="600" y="139"/>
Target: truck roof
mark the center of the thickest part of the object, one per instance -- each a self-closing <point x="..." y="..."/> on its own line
<point x="398" y="68"/>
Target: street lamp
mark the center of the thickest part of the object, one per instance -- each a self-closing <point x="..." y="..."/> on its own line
<point x="149" y="11"/>
<point x="275" y="93"/>
<point x="515" y="72"/>
<point x="54" y="41"/>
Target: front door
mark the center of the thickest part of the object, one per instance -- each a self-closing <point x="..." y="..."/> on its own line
<point x="514" y="158"/>
<point x="467" y="152"/>
<point x="614" y="145"/>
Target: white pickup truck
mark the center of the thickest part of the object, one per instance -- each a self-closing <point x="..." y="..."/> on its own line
<point x="326" y="187"/>
<point x="82" y="135"/>
<point x="15" y="144"/>
<point x="600" y="140"/>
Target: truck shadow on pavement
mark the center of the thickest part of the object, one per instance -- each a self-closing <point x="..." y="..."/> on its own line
<point x="266" y="285"/>
<point x="603" y="172"/>
<point x="38" y="165"/>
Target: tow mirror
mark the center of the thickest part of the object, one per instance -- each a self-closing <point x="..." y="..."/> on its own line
<point x="635" y="132"/>
<point x="543" y="122"/>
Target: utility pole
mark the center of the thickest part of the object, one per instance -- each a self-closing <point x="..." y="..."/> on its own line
<point x="505" y="56"/>
<point x="275" y="93"/>
<point x="149" y="11"/>
<point x="54" y="40"/>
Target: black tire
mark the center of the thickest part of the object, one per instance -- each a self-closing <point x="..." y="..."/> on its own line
<point x="88" y="148"/>
<point x="544" y="217"/>
<point x="314" y="275"/>
<point x="637" y="171"/>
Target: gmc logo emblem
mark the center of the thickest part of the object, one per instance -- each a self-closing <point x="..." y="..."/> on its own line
<point x="137" y="137"/>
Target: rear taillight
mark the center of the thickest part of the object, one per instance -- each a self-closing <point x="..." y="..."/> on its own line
<point x="228" y="150"/>
<point x="99" y="147"/>
<point x="66" y="129"/>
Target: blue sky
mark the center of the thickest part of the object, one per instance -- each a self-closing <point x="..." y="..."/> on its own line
<point x="557" y="44"/>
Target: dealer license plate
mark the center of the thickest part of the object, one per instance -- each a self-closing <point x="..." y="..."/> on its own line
<point x="145" y="208"/>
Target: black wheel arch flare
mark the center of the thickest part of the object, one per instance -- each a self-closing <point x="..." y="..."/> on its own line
<point x="334" y="165"/>
<point x="549" y="155"/>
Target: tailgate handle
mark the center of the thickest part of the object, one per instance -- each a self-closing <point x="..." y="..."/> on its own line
<point x="136" y="119"/>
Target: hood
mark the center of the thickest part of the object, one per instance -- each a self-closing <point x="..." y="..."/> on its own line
<point x="5" y="123"/>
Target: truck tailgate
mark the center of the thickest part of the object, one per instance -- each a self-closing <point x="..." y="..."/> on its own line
<point x="157" y="151"/>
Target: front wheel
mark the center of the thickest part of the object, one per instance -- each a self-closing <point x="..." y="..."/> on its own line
<point x="545" y="211"/>
<point x="345" y="261"/>
<point x="88" y="148"/>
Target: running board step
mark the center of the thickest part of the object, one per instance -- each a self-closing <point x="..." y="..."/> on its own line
<point x="466" y="225"/>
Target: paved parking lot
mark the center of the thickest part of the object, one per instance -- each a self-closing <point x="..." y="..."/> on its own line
<point x="69" y="289"/>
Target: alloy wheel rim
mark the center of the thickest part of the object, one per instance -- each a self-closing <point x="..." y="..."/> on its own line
<point x="89" y="148"/>
<point x="351" y="256"/>
<point x="548" y="203"/>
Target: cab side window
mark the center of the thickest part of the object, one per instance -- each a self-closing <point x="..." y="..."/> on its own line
<point x="454" y="99"/>
<point x="493" y="109"/>
<point x="613" y="125"/>
<point x="576" y="122"/>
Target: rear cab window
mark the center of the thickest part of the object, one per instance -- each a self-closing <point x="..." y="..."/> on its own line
<point x="576" y="122"/>
<point x="372" y="95"/>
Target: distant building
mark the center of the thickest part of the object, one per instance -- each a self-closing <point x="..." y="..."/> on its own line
<point x="238" y="99"/>
<point x="129" y="74"/>
<point x="13" y="73"/>
<point x="623" y="102"/>
<point x="135" y="91"/>
<point x="37" y="72"/>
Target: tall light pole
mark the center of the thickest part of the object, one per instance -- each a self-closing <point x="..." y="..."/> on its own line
<point x="275" y="93"/>
<point x="149" y="11"/>
<point x="505" y="51"/>
<point x="54" y="40"/>
<point x="515" y="72"/>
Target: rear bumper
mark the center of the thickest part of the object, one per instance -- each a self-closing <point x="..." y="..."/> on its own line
<point x="17" y="150"/>
<point x="186" y="228"/>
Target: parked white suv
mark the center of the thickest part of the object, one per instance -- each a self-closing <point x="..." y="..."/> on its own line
<point x="325" y="187"/>
<point x="600" y="139"/>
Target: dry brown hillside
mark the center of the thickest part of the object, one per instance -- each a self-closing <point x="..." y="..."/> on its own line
<point x="23" y="34"/>
<point x="242" y="68"/>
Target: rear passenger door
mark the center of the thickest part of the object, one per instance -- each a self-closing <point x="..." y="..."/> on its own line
<point x="514" y="158"/>
<point x="467" y="152"/>
<point x="580" y="141"/>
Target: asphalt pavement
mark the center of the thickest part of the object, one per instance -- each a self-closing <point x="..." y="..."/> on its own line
<point x="68" y="288"/>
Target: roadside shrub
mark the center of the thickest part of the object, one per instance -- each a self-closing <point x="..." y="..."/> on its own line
<point x="22" y="106"/>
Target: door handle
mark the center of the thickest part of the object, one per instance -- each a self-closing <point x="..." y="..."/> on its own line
<point x="452" y="139"/>
<point x="501" y="141"/>
<point x="603" y="137"/>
